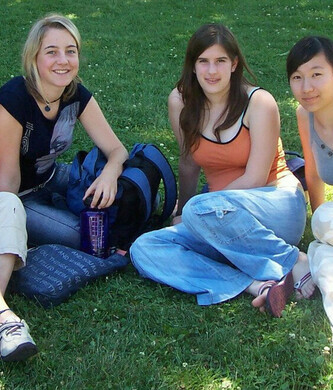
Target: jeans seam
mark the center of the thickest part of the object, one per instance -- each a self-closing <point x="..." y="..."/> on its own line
<point x="50" y="218"/>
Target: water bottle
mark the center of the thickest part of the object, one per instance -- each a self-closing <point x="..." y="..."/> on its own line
<point x="94" y="228"/>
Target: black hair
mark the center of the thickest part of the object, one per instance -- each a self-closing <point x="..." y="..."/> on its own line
<point x="305" y="49"/>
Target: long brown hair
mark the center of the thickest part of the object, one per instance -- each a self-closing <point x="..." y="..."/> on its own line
<point x="193" y="114"/>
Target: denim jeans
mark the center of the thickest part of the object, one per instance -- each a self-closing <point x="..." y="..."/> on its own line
<point x="49" y="221"/>
<point x="227" y="239"/>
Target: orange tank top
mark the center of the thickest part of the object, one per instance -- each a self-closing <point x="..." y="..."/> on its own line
<point x="222" y="163"/>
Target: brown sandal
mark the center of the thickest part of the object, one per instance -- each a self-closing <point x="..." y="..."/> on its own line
<point x="278" y="295"/>
<point x="265" y="286"/>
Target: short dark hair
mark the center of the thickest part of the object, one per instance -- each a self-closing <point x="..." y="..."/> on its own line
<point x="305" y="49"/>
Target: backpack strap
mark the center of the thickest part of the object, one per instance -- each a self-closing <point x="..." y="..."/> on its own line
<point x="156" y="157"/>
<point x="139" y="179"/>
<point x="136" y="148"/>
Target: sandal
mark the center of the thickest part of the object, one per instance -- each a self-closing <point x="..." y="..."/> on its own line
<point x="265" y="286"/>
<point x="278" y="294"/>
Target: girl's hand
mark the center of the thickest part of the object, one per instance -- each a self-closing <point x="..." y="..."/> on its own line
<point x="103" y="190"/>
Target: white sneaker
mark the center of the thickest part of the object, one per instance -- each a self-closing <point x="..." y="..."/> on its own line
<point x="15" y="341"/>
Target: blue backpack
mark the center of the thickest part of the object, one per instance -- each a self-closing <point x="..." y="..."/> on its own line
<point x="134" y="209"/>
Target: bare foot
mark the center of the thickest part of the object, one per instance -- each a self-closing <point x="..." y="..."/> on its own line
<point x="260" y="290"/>
<point x="301" y="269"/>
<point x="272" y="295"/>
<point x="260" y="301"/>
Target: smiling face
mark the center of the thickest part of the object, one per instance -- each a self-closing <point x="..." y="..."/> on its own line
<point x="312" y="84"/>
<point x="57" y="60"/>
<point x="213" y="69"/>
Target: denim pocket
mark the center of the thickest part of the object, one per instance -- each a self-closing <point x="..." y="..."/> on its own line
<point x="212" y="204"/>
<point x="214" y="217"/>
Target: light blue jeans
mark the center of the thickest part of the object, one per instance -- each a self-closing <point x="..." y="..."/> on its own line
<point x="227" y="240"/>
<point x="49" y="221"/>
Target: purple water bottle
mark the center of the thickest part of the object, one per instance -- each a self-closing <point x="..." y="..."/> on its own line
<point x="94" y="231"/>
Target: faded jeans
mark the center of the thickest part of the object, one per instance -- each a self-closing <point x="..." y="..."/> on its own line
<point x="49" y="221"/>
<point x="227" y="239"/>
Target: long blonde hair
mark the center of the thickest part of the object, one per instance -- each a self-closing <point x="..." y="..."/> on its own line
<point x="32" y="47"/>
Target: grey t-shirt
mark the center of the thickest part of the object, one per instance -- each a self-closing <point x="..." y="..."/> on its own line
<point x="322" y="153"/>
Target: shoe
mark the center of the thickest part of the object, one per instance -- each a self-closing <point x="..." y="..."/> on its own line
<point x="278" y="294"/>
<point x="15" y="341"/>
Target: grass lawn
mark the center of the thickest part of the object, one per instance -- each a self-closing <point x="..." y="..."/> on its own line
<point x="126" y="333"/>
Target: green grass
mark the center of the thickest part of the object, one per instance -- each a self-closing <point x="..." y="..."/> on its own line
<point x="127" y="333"/>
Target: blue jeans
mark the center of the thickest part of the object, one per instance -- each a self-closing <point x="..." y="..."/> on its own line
<point x="49" y="221"/>
<point x="227" y="240"/>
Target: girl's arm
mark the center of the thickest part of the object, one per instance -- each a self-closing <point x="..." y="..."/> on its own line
<point x="188" y="170"/>
<point x="316" y="187"/>
<point x="263" y="119"/>
<point x="105" y="186"/>
<point x="10" y="142"/>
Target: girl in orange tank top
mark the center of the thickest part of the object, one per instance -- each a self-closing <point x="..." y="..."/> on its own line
<point x="242" y="234"/>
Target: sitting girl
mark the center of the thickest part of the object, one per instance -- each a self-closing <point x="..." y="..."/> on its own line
<point x="241" y="235"/>
<point x="38" y="112"/>
<point x="310" y="74"/>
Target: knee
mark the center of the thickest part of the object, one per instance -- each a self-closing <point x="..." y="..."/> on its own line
<point x="10" y="201"/>
<point x="142" y="252"/>
<point x="151" y="243"/>
<point x="188" y="214"/>
<point x="321" y="224"/>
<point x="141" y="244"/>
<point x="202" y="205"/>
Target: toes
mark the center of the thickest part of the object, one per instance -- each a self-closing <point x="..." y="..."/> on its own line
<point x="299" y="295"/>
<point x="260" y="301"/>
<point x="308" y="289"/>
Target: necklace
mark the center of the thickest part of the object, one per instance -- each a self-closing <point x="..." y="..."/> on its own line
<point x="47" y="108"/>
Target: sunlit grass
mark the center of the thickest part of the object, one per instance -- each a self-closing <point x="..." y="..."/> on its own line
<point x="127" y="333"/>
